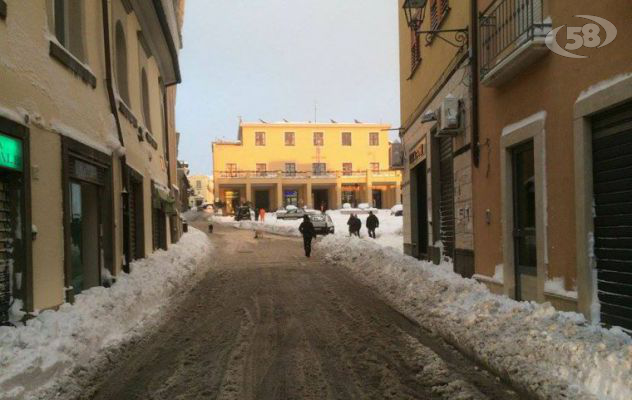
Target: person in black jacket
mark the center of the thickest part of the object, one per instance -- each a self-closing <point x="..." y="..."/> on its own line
<point x="372" y="222"/>
<point x="307" y="230"/>
<point x="354" y="225"/>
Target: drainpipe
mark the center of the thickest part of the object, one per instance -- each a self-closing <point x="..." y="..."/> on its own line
<point x="475" y="82"/>
<point x="114" y="109"/>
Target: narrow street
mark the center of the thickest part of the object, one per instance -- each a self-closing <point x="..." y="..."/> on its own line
<point x="269" y="324"/>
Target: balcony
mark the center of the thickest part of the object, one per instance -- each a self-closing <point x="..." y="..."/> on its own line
<point x="512" y="37"/>
<point x="276" y="175"/>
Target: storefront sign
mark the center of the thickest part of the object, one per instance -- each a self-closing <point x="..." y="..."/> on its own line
<point x="418" y="153"/>
<point x="10" y="153"/>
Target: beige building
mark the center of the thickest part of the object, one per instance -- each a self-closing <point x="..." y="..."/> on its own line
<point x="202" y="187"/>
<point x="542" y="157"/>
<point x="437" y="135"/>
<point x="87" y="135"/>
<point x="306" y="164"/>
<point x="553" y="189"/>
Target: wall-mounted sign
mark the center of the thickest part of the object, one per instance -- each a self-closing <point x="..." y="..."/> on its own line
<point x="10" y="153"/>
<point x="418" y="154"/>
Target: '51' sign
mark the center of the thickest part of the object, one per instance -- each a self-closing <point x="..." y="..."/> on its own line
<point x="582" y="36"/>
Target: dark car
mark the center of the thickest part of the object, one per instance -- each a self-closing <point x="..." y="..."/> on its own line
<point x="323" y="225"/>
<point x="244" y="213"/>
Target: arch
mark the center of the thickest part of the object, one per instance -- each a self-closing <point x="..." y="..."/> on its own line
<point x="121" y="62"/>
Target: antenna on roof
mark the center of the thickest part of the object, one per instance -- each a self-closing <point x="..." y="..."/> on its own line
<point x="332" y="121"/>
<point x="285" y="120"/>
<point x="315" y="109"/>
<point x="262" y="121"/>
<point x="357" y="122"/>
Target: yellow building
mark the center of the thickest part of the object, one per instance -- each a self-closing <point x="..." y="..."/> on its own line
<point x="306" y="164"/>
<point x="202" y="186"/>
<point x="87" y="139"/>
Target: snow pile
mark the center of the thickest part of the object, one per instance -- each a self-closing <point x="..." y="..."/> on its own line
<point x="549" y="353"/>
<point x="389" y="233"/>
<point x="36" y="357"/>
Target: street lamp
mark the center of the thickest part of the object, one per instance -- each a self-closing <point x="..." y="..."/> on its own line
<point x="415" y="11"/>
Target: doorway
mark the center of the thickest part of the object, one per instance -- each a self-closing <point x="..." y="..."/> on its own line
<point x="321" y="196"/>
<point x="262" y="200"/>
<point x="612" y="218"/>
<point x="85" y="235"/>
<point x="136" y="218"/>
<point x="419" y="211"/>
<point x="446" y="196"/>
<point x="377" y="199"/>
<point x="524" y="229"/>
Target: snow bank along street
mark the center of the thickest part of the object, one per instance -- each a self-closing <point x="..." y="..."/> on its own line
<point x="36" y="358"/>
<point x="549" y="353"/>
<point x="267" y="323"/>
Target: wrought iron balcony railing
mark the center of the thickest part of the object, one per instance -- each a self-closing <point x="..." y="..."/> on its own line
<point x="506" y="26"/>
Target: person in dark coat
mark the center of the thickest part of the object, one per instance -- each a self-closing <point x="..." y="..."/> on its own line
<point x="372" y="222"/>
<point x="307" y="230"/>
<point x="354" y="225"/>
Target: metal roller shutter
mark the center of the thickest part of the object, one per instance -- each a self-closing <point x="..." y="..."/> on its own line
<point x="612" y="180"/>
<point x="446" y="205"/>
<point x="6" y="250"/>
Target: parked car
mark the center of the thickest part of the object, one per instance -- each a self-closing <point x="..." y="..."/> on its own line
<point x="292" y="213"/>
<point x="323" y="224"/>
<point x="244" y="213"/>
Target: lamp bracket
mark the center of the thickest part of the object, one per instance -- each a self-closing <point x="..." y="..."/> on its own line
<point x="460" y="36"/>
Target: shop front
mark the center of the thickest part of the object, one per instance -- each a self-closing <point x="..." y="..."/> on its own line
<point x="290" y="197"/>
<point x="163" y="207"/>
<point x="88" y="222"/>
<point x="15" y="224"/>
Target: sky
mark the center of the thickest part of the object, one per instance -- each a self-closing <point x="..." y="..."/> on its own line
<point x="283" y="59"/>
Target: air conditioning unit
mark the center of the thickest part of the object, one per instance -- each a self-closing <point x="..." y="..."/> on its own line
<point x="449" y="121"/>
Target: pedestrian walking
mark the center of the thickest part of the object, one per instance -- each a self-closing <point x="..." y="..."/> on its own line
<point x="262" y="214"/>
<point x="307" y="230"/>
<point x="354" y="225"/>
<point x="372" y="222"/>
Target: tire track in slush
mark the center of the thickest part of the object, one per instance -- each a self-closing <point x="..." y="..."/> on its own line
<point x="269" y="324"/>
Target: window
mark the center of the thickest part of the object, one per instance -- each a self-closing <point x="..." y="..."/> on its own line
<point x="68" y="17"/>
<point x="121" y="63"/>
<point x="145" y="94"/>
<point x="346" y="138"/>
<point x="319" y="168"/>
<point x="375" y="167"/>
<point x="347" y="169"/>
<point x="231" y="170"/>
<point x="198" y="185"/>
<point x="438" y="10"/>
<point x="319" y="139"/>
<point x="374" y="139"/>
<point x="260" y="138"/>
<point x="261" y="169"/>
<point x="290" y="169"/>
<point x="289" y="139"/>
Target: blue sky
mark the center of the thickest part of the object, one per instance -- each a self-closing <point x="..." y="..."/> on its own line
<point x="274" y="59"/>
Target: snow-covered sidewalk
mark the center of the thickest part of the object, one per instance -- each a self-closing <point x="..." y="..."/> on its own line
<point x="551" y="354"/>
<point x="36" y="357"/>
